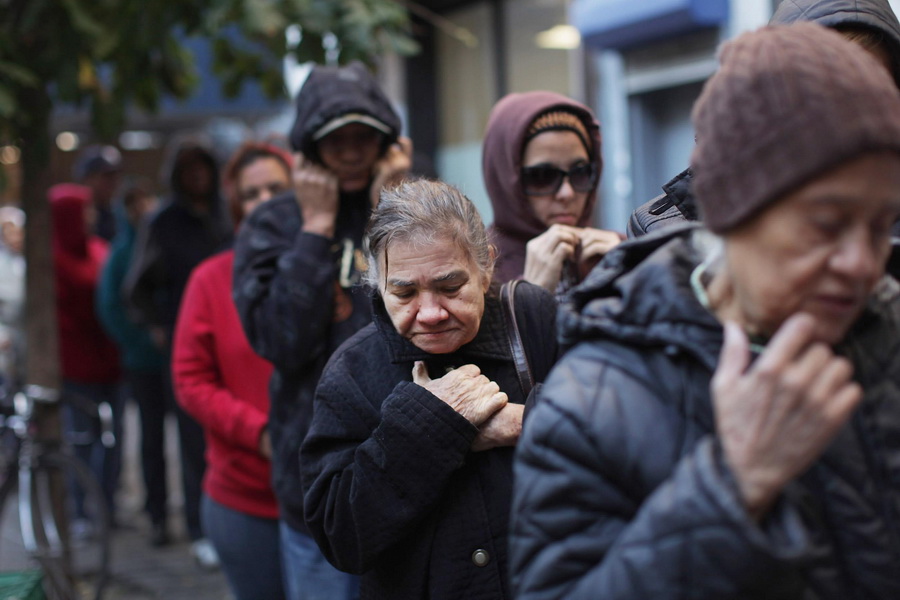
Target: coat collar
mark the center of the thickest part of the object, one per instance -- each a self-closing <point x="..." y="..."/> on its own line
<point x="491" y="342"/>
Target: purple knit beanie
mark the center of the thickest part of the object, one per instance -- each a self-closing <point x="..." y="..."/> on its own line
<point x="787" y="104"/>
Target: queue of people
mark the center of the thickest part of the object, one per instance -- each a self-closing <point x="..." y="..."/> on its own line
<point x="380" y="397"/>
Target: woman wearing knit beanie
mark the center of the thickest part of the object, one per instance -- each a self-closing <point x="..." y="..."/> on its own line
<point x="541" y="163"/>
<point x="728" y="424"/>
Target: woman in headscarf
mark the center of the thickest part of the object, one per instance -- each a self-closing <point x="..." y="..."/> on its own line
<point x="541" y="162"/>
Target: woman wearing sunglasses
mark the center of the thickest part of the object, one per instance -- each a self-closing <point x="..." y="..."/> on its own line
<point x="542" y="165"/>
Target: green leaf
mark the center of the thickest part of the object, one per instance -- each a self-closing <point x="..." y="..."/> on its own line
<point x="403" y="45"/>
<point x="263" y="17"/>
<point x="7" y="103"/>
<point x="82" y="21"/>
<point x="18" y="74"/>
<point x="272" y="83"/>
<point x="107" y="118"/>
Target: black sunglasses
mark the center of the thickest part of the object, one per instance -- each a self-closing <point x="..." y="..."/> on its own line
<point x="545" y="179"/>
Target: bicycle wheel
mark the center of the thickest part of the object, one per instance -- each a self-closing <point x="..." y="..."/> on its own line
<point x="9" y="467"/>
<point x="69" y="520"/>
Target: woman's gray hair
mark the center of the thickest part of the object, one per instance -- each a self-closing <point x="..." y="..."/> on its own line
<point x="419" y="212"/>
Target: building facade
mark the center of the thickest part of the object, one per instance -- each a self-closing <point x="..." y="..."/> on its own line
<point x="640" y="64"/>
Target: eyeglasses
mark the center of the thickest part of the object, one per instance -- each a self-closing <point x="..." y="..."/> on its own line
<point x="545" y="180"/>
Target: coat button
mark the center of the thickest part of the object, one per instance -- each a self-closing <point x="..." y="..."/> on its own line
<point x="481" y="557"/>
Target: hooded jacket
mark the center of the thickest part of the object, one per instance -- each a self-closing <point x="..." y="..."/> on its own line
<point x="87" y="354"/>
<point x="677" y="203"/>
<point x="622" y="487"/>
<point x="172" y="243"/>
<point x="331" y="92"/>
<point x="139" y="353"/>
<point x="298" y="294"/>
<point x="514" y="221"/>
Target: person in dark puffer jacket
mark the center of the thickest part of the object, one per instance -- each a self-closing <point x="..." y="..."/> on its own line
<point x="870" y="23"/>
<point x="726" y="423"/>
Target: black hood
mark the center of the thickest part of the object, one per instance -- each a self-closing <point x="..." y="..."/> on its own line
<point x="871" y="14"/>
<point x="331" y="92"/>
<point x="184" y="153"/>
<point x="640" y="294"/>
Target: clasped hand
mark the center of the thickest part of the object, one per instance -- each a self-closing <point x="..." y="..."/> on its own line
<point x="477" y="399"/>
<point x="544" y="255"/>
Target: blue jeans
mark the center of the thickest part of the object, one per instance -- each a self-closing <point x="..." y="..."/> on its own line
<point x="308" y="575"/>
<point x="82" y="430"/>
<point x="248" y="550"/>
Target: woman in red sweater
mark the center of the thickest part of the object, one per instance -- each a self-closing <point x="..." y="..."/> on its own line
<point x="89" y="361"/>
<point x="223" y="384"/>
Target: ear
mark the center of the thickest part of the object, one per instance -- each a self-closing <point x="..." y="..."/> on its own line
<point x="490" y="271"/>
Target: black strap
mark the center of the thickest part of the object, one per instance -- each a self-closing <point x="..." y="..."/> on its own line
<point x="516" y="347"/>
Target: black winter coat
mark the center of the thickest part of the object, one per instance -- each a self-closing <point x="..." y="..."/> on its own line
<point x="392" y="489"/>
<point x="622" y="490"/>
<point x="298" y="298"/>
<point x="298" y="294"/>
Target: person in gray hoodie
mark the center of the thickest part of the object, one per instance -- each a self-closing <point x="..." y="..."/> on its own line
<point x="870" y="23"/>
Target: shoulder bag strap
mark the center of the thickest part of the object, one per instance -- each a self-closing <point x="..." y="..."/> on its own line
<point x="516" y="347"/>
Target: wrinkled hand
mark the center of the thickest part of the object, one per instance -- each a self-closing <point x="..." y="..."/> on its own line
<point x="777" y="417"/>
<point x="316" y="189"/>
<point x="392" y="167"/>
<point x="501" y="429"/>
<point x="595" y="243"/>
<point x="544" y="255"/>
<point x="465" y="390"/>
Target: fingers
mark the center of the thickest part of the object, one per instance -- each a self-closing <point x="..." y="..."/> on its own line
<point x="406" y="145"/>
<point x="471" y="370"/>
<point x="779" y="415"/>
<point x="466" y="390"/>
<point x="791" y="338"/>
<point x="597" y="242"/>
<point x="734" y="357"/>
<point x="829" y="376"/>
<point x="420" y="374"/>
<point x="843" y="404"/>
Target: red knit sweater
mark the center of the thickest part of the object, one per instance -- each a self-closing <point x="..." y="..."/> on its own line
<point x="87" y="355"/>
<point x="223" y="384"/>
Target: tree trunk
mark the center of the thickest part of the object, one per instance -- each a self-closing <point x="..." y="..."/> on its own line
<point x="41" y="333"/>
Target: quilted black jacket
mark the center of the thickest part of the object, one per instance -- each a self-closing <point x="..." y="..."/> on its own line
<point x="392" y="490"/>
<point x="297" y="293"/>
<point x="673" y="207"/>
<point x="297" y="305"/>
<point x="621" y="487"/>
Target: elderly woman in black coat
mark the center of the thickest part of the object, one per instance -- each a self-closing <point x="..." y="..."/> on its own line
<point x="727" y="424"/>
<point x="407" y="466"/>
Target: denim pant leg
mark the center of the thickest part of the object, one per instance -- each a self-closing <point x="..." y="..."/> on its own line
<point x="308" y="575"/>
<point x="248" y="549"/>
<point x="83" y="431"/>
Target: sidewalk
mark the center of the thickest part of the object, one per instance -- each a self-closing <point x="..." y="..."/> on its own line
<point x="139" y="570"/>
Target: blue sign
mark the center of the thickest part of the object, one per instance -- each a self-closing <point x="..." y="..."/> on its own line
<point x="620" y="24"/>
